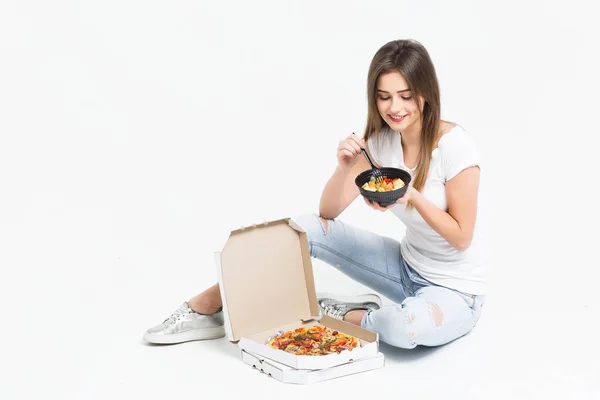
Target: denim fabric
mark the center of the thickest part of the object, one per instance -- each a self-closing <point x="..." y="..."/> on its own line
<point x="423" y="314"/>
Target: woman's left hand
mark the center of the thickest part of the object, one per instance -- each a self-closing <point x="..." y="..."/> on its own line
<point x="402" y="200"/>
<point x="407" y="196"/>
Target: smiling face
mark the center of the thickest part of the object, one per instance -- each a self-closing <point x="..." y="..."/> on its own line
<point x="396" y="103"/>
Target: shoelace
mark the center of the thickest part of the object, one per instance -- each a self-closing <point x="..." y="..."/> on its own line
<point x="178" y="313"/>
<point x="334" y="310"/>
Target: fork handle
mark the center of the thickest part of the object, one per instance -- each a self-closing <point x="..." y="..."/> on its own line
<point x="366" y="155"/>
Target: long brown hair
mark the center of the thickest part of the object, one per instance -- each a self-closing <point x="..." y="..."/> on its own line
<point x="412" y="60"/>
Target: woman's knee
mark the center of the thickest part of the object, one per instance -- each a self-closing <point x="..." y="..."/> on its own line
<point x="316" y="231"/>
<point x="423" y="320"/>
<point x="313" y="224"/>
<point x="419" y="322"/>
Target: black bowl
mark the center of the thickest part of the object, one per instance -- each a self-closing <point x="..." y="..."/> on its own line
<point x="383" y="198"/>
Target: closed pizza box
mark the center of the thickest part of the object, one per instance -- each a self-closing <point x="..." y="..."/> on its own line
<point x="286" y="374"/>
<point x="267" y="286"/>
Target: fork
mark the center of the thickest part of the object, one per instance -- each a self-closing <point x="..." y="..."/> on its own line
<point x="376" y="172"/>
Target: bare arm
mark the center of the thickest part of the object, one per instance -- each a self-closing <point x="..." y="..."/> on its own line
<point x="340" y="189"/>
<point x="456" y="225"/>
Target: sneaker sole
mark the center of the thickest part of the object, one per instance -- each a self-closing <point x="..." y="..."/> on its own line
<point x="360" y="298"/>
<point x="198" y="334"/>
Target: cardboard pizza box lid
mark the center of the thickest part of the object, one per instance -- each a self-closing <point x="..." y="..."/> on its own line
<point x="266" y="278"/>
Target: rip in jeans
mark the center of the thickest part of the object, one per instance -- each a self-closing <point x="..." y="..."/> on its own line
<point x="435" y="313"/>
<point x="324" y="225"/>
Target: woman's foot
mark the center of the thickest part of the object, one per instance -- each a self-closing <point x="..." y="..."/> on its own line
<point x="337" y="306"/>
<point x="185" y="325"/>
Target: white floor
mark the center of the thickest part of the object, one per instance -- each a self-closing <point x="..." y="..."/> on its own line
<point x="65" y="345"/>
<point x="118" y="120"/>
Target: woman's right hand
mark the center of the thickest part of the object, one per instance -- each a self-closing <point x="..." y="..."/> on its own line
<point x="348" y="151"/>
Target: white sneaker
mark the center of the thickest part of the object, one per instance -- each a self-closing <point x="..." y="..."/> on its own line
<point x="185" y="325"/>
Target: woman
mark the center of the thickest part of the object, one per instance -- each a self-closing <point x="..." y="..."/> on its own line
<point x="436" y="275"/>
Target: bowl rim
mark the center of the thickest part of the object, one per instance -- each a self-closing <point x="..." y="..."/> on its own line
<point x="400" y="171"/>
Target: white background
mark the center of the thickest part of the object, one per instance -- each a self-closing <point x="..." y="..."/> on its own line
<point x="136" y="134"/>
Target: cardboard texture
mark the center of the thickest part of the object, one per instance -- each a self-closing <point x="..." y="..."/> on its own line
<point x="286" y="374"/>
<point x="265" y="272"/>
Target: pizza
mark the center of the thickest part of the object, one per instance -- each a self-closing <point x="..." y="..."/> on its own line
<point x="313" y="341"/>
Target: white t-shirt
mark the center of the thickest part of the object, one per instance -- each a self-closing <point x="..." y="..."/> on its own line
<point x="426" y="251"/>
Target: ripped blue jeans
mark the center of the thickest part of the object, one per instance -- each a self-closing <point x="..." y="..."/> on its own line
<point x="424" y="314"/>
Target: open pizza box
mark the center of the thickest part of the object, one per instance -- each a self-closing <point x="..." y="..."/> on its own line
<point x="286" y="374"/>
<point x="267" y="286"/>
